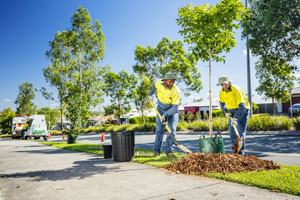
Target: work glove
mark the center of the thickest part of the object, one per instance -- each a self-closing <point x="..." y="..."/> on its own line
<point x="234" y="122"/>
<point x="149" y="98"/>
<point x="163" y="119"/>
<point x="227" y="115"/>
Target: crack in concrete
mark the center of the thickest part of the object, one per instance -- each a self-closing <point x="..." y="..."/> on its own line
<point x="167" y="194"/>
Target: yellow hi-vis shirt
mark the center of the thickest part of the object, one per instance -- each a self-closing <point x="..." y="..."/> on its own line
<point x="233" y="97"/>
<point x="166" y="95"/>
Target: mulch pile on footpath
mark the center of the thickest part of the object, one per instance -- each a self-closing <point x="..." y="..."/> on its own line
<point x="200" y="164"/>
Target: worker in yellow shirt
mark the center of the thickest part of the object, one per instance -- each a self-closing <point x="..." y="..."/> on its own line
<point x="168" y="95"/>
<point x="233" y="100"/>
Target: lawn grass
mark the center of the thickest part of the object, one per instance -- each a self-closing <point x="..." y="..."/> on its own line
<point x="285" y="180"/>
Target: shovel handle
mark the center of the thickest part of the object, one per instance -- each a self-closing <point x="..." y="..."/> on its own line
<point x="167" y="127"/>
<point x="236" y="131"/>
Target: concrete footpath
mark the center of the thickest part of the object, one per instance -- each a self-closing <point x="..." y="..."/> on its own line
<point x="31" y="171"/>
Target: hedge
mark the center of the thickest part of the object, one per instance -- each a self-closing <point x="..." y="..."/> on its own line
<point x="139" y="120"/>
<point x="255" y="123"/>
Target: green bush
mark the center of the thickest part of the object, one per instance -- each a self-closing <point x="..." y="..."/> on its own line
<point x="296" y="123"/>
<point x="198" y="125"/>
<point x="268" y="123"/>
<point x="182" y="126"/>
<point x="217" y="113"/>
<point x="139" y="120"/>
<point x="145" y="127"/>
<point x="220" y="124"/>
<point x="89" y="129"/>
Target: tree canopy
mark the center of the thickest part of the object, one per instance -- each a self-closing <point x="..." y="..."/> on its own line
<point x="168" y="56"/>
<point x="24" y="103"/>
<point x="120" y="87"/>
<point x="273" y="28"/>
<point x="74" y="55"/>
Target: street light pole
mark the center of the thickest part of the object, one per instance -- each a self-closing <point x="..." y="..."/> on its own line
<point x="248" y="73"/>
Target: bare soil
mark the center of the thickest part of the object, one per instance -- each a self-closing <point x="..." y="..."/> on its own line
<point x="200" y="164"/>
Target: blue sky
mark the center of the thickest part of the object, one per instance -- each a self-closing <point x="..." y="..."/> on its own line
<point x="28" y="26"/>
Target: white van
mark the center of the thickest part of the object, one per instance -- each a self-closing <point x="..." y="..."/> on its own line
<point x="37" y="127"/>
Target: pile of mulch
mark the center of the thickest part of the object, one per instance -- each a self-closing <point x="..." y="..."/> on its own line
<point x="200" y="164"/>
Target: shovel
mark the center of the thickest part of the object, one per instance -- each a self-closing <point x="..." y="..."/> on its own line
<point x="180" y="146"/>
<point x="238" y="142"/>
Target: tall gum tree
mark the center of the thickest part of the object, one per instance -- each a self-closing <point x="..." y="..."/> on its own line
<point x="74" y="55"/>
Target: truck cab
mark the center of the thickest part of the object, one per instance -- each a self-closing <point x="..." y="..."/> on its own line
<point x="30" y="127"/>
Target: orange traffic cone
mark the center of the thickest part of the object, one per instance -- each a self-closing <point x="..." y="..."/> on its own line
<point x="102" y="137"/>
<point x="64" y="136"/>
<point x="49" y="135"/>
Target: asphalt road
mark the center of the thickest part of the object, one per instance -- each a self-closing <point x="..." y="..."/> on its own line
<point x="280" y="149"/>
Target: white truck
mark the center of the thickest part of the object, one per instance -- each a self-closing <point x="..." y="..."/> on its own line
<point x="30" y="127"/>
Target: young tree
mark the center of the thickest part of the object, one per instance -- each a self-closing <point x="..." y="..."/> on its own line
<point x="209" y="32"/>
<point x="155" y="62"/>
<point x="273" y="28"/>
<point x="120" y="87"/>
<point x="74" y="55"/>
<point x="6" y="117"/>
<point x="141" y="94"/>
<point x="275" y="79"/>
<point x="24" y="99"/>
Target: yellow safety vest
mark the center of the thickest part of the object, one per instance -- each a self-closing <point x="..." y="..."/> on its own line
<point x="233" y="97"/>
<point x="166" y="95"/>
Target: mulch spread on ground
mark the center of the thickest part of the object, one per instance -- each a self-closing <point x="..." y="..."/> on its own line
<point x="200" y="163"/>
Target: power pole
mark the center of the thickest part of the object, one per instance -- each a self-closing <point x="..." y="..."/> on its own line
<point x="248" y="73"/>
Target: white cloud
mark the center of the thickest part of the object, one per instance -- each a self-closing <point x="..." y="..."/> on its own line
<point x="7" y="100"/>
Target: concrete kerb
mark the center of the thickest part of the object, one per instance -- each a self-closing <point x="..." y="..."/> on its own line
<point x="278" y="133"/>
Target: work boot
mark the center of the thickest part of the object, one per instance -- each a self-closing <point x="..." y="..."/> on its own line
<point x="171" y="155"/>
<point x="156" y="154"/>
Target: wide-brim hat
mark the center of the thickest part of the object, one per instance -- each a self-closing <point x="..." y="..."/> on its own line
<point x="170" y="76"/>
<point x="224" y="80"/>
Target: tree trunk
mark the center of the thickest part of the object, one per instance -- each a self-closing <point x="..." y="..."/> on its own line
<point x="142" y="108"/>
<point x="61" y="118"/>
<point x="80" y="100"/>
<point x="119" y="115"/>
<point x="274" y="107"/>
<point x="210" y="104"/>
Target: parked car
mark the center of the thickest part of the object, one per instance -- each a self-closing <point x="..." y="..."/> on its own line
<point x="295" y="109"/>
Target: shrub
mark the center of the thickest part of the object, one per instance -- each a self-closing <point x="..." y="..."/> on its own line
<point x="220" y="124"/>
<point x="181" y="116"/>
<point x="296" y="123"/>
<point x="182" y="126"/>
<point x="268" y="123"/>
<point x="190" y="117"/>
<point x="139" y="120"/>
<point x="217" y="113"/>
<point x="198" y="125"/>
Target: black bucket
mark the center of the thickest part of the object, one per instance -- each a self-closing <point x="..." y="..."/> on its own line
<point x="107" y="149"/>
